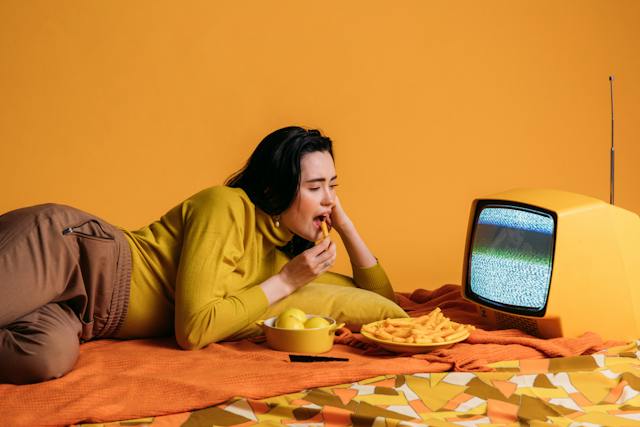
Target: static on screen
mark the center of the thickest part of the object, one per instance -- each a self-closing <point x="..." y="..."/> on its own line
<point x="512" y="256"/>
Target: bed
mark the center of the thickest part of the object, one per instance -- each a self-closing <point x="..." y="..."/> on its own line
<point x="492" y="378"/>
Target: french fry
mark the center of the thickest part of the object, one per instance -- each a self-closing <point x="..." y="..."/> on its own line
<point x="398" y="322"/>
<point x="432" y="328"/>
<point x="455" y="335"/>
<point x="325" y="231"/>
<point x="401" y="333"/>
<point x="384" y="335"/>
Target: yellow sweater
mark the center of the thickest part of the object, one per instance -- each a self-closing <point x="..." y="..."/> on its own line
<point x="195" y="271"/>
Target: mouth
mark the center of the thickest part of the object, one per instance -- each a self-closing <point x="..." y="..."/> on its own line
<point x="317" y="221"/>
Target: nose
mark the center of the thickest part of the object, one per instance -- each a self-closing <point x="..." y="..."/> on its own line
<point x="328" y="197"/>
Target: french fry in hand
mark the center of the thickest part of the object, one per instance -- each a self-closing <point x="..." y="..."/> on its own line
<point x="431" y="328"/>
<point x="325" y="231"/>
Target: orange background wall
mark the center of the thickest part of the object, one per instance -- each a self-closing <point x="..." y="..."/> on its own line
<point x="126" y="108"/>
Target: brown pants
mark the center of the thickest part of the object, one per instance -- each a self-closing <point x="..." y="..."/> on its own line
<point x="64" y="277"/>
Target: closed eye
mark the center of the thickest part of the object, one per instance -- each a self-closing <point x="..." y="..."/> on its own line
<point x="318" y="188"/>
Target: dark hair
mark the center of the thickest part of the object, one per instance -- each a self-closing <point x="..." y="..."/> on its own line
<point x="271" y="177"/>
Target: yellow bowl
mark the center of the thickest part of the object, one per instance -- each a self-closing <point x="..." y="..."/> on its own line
<point x="315" y="340"/>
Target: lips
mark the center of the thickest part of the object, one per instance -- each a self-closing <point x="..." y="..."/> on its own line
<point x="317" y="221"/>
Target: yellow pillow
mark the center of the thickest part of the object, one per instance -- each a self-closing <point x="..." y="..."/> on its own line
<point x="353" y="306"/>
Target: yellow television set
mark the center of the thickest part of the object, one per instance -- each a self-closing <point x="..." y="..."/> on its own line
<point x="554" y="263"/>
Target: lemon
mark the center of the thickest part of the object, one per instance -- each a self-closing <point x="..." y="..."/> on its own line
<point x="289" y="322"/>
<point x="316" y="322"/>
<point x="295" y="312"/>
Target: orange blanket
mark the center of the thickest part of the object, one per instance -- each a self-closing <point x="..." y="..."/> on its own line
<point x="115" y="380"/>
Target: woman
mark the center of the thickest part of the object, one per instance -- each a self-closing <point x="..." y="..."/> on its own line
<point x="205" y="271"/>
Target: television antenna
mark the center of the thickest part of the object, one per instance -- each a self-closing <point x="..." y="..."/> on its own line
<point x="613" y="153"/>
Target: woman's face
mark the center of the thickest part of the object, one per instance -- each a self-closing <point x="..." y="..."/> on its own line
<point x="315" y="198"/>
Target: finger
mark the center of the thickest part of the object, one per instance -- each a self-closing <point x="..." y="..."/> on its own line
<point x="326" y="242"/>
<point x="326" y="265"/>
<point x="330" y="262"/>
<point x="323" y="246"/>
<point x="327" y="256"/>
<point x="317" y="263"/>
<point x="330" y="250"/>
<point x="331" y="247"/>
<point x="320" y="247"/>
<point x="322" y="258"/>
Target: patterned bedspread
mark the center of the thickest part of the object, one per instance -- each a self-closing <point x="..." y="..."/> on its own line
<point x="600" y="389"/>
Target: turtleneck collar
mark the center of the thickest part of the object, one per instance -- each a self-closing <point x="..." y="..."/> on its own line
<point x="278" y="236"/>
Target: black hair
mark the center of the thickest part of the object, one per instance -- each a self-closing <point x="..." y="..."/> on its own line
<point x="271" y="177"/>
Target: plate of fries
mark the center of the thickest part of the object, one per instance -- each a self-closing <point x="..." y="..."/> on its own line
<point x="416" y="334"/>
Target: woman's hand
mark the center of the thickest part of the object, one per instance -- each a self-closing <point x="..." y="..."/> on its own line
<point x="359" y="253"/>
<point x="308" y="265"/>
<point x="339" y="219"/>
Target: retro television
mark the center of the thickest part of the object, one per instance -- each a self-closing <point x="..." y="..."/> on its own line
<point x="554" y="263"/>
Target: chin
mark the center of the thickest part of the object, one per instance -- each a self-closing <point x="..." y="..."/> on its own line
<point x="305" y="236"/>
<point x="310" y="237"/>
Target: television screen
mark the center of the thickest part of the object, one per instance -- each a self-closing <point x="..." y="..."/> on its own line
<point x="511" y="257"/>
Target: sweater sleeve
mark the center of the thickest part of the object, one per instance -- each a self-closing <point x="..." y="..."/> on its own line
<point x="374" y="279"/>
<point x="212" y="245"/>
